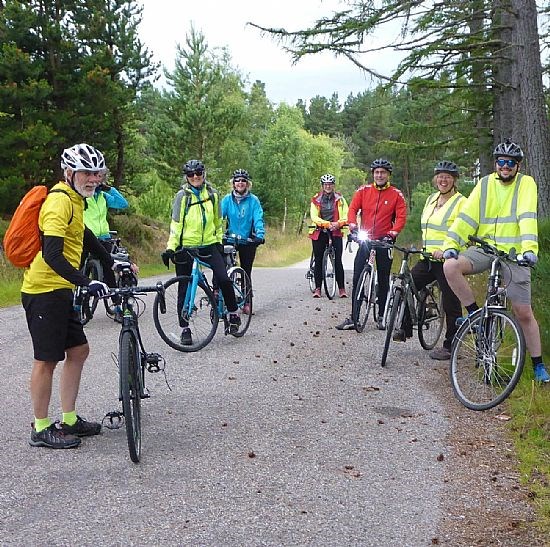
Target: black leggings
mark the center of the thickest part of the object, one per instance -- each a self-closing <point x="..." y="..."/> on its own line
<point x="319" y="246"/>
<point x="247" y="254"/>
<point x="212" y="256"/>
<point x="423" y="273"/>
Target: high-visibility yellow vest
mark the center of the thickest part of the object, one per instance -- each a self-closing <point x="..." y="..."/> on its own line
<point x="436" y="223"/>
<point x="505" y="214"/>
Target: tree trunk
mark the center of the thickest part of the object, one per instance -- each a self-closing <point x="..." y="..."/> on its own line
<point x="531" y="94"/>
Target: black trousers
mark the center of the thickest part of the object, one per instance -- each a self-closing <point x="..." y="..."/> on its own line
<point x="319" y="246"/>
<point x="384" y="261"/>
<point x="247" y="254"/>
<point x="423" y="273"/>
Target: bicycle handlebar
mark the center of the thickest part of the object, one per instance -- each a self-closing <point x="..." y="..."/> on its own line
<point x="511" y="255"/>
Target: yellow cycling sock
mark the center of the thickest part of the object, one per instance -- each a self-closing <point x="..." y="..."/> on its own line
<point x="69" y="418"/>
<point x="41" y="423"/>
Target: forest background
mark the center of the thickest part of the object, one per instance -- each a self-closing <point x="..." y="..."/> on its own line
<point x="472" y="74"/>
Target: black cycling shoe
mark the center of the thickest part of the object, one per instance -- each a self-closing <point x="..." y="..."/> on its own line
<point x="186" y="339"/>
<point x="234" y="323"/>
<point x="53" y="437"/>
<point x="81" y="428"/>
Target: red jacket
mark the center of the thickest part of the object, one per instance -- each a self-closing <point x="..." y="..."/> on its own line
<point x="382" y="212"/>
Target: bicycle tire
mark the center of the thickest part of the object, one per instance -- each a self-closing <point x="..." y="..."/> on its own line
<point x="487" y="358"/>
<point x="203" y="321"/>
<point x="130" y="391"/>
<point x="310" y="275"/>
<point x="360" y="304"/>
<point x="395" y="304"/>
<point x="94" y="271"/>
<point x="430" y="316"/>
<point x="329" y="273"/>
<point x="243" y="293"/>
<point x="373" y="298"/>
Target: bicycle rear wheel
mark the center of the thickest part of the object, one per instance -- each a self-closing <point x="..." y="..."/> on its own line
<point x="310" y="275"/>
<point x="130" y="391"/>
<point x="393" y="310"/>
<point x="329" y="273"/>
<point x="243" y="293"/>
<point x="430" y="316"/>
<point x="487" y="358"/>
<point x="201" y="317"/>
<point x="360" y="303"/>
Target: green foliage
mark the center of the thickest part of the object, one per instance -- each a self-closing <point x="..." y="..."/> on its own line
<point x="153" y="197"/>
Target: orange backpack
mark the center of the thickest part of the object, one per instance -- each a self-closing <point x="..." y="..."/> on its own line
<point x="23" y="240"/>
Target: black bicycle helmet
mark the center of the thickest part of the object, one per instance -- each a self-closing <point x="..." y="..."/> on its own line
<point x="383" y="163"/>
<point x="241" y="174"/>
<point x="509" y="149"/>
<point x="328" y="178"/>
<point x="192" y="166"/>
<point x="445" y="166"/>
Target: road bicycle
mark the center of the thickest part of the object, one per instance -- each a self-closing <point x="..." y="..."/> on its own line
<point x="425" y="307"/>
<point x="133" y="360"/>
<point x="93" y="269"/>
<point x="364" y="297"/>
<point x="190" y="302"/>
<point x="329" y="266"/>
<point x="488" y="350"/>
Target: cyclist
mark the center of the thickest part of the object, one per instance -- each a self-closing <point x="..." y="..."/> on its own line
<point x="329" y="209"/>
<point x="197" y="224"/>
<point x="503" y="209"/>
<point x="95" y="218"/>
<point x="245" y="220"/>
<point x="383" y="215"/>
<point x="439" y="212"/>
<point x="47" y="294"/>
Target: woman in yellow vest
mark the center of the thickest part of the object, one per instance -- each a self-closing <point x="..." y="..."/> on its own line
<point x="439" y="212"/>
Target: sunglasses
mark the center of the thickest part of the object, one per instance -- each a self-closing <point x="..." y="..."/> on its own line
<point x="197" y="173"/>
<point x="240" y="180"/>
<point x="510" y="163"/>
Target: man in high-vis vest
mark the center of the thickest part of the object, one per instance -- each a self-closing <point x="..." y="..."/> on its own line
<point x="502" y="208"/>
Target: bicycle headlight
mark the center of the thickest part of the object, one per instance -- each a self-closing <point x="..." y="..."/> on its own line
<point x="363" y="235"/>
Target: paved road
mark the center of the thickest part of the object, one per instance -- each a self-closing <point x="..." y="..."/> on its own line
<point x="292" y="435"/>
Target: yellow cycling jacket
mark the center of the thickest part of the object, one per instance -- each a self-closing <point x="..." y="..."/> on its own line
<point x="196" y="220"/>
<point x="436" y="223"/>
<point x="505" y="214"/>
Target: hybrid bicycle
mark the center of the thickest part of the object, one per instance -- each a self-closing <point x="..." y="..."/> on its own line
<point x="190" y="303"/>
<point x="328" y="269"/>
<point x="133" y="360"/>
<point x="488" y="350"/>
<point x="425" y="307"/>
<point x="364" y="294"/>
<point x="124" y="277"/>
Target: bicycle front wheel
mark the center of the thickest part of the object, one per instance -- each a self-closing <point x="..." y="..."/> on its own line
<point x="173" y="319"/>
<point x="394" y="305"/>
<point x="243" y="293"/>
<point x="329" y="273"/>
<point x="360" y="304"/>
<point x="130" y="391"/>
<point x="487" y="358"/>
<point x="430" y="316"/>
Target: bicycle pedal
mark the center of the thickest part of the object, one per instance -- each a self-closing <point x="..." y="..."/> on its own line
<point x="153" y="362"/>
<point x="113" y="420"/>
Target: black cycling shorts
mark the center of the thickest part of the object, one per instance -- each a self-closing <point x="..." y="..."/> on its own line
<point x="53" y="324"/>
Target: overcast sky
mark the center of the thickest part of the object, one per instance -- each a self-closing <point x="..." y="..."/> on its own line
<point x="223" y="22"/>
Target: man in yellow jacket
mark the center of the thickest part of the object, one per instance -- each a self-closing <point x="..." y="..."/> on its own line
<point x="502" y="208"/>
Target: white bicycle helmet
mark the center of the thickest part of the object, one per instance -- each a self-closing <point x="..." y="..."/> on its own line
<point x="83" y="157"/>
<point x="328" y="178"/>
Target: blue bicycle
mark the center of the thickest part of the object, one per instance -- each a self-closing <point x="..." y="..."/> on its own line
<point x="192" y="303"/>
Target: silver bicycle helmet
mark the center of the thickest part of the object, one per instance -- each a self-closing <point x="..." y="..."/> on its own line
<point x="383" y="163"/>
<point x="509" y="149"/>
<point x="445" y="166"/>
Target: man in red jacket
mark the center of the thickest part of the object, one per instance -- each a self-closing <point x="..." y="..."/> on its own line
<point x="383" y="214"/>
